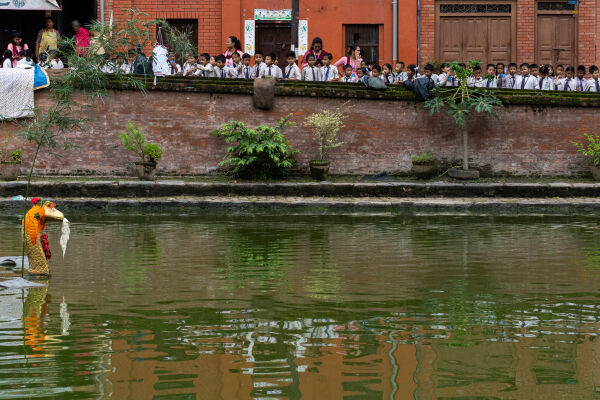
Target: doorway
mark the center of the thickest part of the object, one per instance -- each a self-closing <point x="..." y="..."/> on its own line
<point x="274" y="37"/>
<point x="555" y="39"/>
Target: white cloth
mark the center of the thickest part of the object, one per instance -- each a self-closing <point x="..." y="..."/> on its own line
<point x="273" y="71"/>
<point x="56" y="64"/>
<point x="332" y="73"/>
<point x="546" y="83"/>
<point x="7" y="63"/>
<point x="351" y="79"/>
<point x="311" y="74"/>
<point x="580" y="84"/>
<point x="528" y="82"/>
<point x="206" y="71"/>
<point x="160" y="61"/>
<point x="247" y="72"/>
<point x="592" y="85"/>
<point x="16" y="92"/>
<point x="292" y="72"/>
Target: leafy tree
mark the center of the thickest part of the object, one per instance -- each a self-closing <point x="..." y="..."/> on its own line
<point x="461" y="100"/>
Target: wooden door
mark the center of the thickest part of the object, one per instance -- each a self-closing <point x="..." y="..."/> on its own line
<point x="473" y="31"/>
<point x="274" y="38"/>
<point x="555" y="39"/>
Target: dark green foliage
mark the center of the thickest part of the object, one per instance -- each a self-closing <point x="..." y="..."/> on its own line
<point x="591" y="150"/>
<point x="153" y="152"/>
<point x="423" y="159"/>
<point x="461" y="100"/>
<point x="134" y="140"/>
<point x="262" y="152"/>
<point x="16" y="155"/>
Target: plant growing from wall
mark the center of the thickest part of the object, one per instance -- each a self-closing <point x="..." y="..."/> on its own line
<point x="460" y="102"/>
<point x="134" y="140"/>
<point x="591" y="149"/>
<point x="263" y="152"/>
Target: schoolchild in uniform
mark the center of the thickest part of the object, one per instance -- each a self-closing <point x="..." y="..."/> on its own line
<point x="411" y="72"/>
<point x="545" y="82"/>
<point x="526" y="81"/>
<point x="361" y="73"/>
<point x="7" y="59"/>
<point x="247" y="71"/>
<point x="376" y="71"/>
<point x="476" y="80"/>
<point x="329" y="72"/>
<point x="205" y="68"/>
<point x="269" y="67"/>
<point x="559" y="77"/>
<point x="580" y="79"/>
<point x="387" y="74"/>
<point x="190" y="66"/>
<point x="567" y="84"/>
<point x="490" y="77"/>
<point x="292" y="72"/>
<point x="222" y="70"/>
<point x="236" y="65"/>
<point x="258" y="60"/>
<point x="348" y="75"/>
<point x="593" y="84"/>
<point x="534" y="70"/>
<point x="550" y="71"/>
<point x="174" y="68"/>
<point x="500" y="75"/>
<point x="311" y="72"/>
<point x="512" y="77"/>
<point x="444" y="78"/>
<point x="399" y="72"/>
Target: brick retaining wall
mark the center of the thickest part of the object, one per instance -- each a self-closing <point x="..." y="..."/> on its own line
<point x="380" y="134"/>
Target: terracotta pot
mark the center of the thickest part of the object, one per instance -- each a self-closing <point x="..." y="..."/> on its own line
<point x="319" y="169"/>
<point x="9" y="170"/>
<point x="595" y="172"/>
<point x="145" y="170"/>
<point x="423" y="171"/>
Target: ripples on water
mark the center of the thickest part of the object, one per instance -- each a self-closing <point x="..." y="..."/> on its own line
<point x="319" y="307"/>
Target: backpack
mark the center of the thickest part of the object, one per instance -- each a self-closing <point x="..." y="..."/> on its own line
<point x="374" y="83"/>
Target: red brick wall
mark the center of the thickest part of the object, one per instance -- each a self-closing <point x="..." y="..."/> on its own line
<point x="525" y="31"/>
<point x="379" y="135"/>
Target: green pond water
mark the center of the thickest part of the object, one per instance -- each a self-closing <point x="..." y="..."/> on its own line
<point x="218" y="306"/>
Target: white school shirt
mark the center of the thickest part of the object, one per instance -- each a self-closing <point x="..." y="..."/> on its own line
<point x="528" y="82"/>
<point x="235" y="70"/>
<point x="579" y="84"/>
<point x="125" y="68"/>
<point x="351" y="79"/>
<point x="173" y="70"/>
<point x="311" y="74"/>
<point x="273" y="71"/>
<point x="401" y="77"/>
<point x="452" y="80"/>
<point x="592" y="85"/>
<point x="7" y="63"/>
<point x="510" y="81"/>
<point x="187" y="67"/>
<point x="292" y="72"/>
<point x="388" y="80"/>
<point x="546" y="83"/>
<point x="225" y="72"/>
<point x="257" y="68"/>
<point x="247" y="72"/>
<point x="566" y="85"/>
<point x="56" y="64"/>
<point x="332" y="74"/>
<point x="206" y="71"/>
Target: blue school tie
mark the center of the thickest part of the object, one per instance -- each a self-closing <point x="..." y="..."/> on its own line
<point x="566" y="88"/>
<point x="326" y="73"/>
<point x="287" y="72"/>
<point x="597" y="86"/>
<point x="246" y="72"/>
<point x="269" y="71"/>
<point x="223" y="73"/>
<point x="580" y="84"/>
<point x="313" y="73"/>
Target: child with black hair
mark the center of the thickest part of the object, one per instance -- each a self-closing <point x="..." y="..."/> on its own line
<point x="236" y="66"/>
<point x="545" y="82"/>
<point x="361" y="73"/>
<point x="567" y="84"/>
<point x="376" y="71"/>
<point x="534" y="70"/>
<point x="25" y="60"/>
<point x="593" y="84"/>
<point x="387" y="74"/>
<point x="43" y="63"/>
<point x="500" y="75"/>
<point x="292" y="72"/>
<point x="7" y="59"/>
<point x="580" y="78"/>
<point x="490" y="72"/>
<point x="222" y="70"/>
<point x="311" y="72"/>
<point x="174" y="68"/>
<point x="411" y="72"/>
<point x="205" y="68"/>
<point x="444" y="78"/>
<point x="399" y="72"/>
<point x="526" y="81"/>
<point x="559" y="76"/>
<point x="512" y="77"/>
<point x="258" y="60"/>
<point x="190" y="66"/>
<point x="348" y="75"/>
<point x="247" y="71"/>
<point x="269" y="67"/>
<point x="329" y="72"/>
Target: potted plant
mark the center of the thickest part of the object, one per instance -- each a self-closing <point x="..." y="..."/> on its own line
<point x="11" y="165"/>
<point x="325" y="126"/>
<point x="134" y="140"/>
<point x="592" y="152"/>
<point x="423" y="165"/>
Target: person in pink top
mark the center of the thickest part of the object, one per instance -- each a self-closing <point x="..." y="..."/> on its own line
<point x="233" y="46"/>
<point x="352" y="58"/>
<point x="82" y="37"/>
<point x="316" y="49"/>
<point x="16" y="46"/>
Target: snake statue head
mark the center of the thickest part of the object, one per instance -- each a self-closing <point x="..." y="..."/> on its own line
<point x="36" y="243"/>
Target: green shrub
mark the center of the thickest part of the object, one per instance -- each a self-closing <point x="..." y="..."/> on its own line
<point x="326" y="126"/>
<point x="592" y="150"/>
<point x="134" y="140"/>
<point x="262" y="152"/>
<point x="423" y="159"/>
<point x="16" y="155"/>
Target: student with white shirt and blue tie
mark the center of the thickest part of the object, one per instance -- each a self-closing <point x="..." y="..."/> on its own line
<point x="292" y="72"/>
<point x="328" y="71"/>
<point x="567" y="84"/>
<point x="247" y="72"/>
<point x="580" y="79"/>
<point x="269" y="68"/>
<point x="593" y="84"/>
<point x="526" y="81"/>
<point x="545" y="82"/>
<point x="311" y="72"/>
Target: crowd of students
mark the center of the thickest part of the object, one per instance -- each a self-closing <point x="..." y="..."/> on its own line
<point x="319" y="67"/>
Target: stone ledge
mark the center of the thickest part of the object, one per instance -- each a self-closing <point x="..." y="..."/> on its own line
<point x="350" y="91"/>
<point x="135" y="189"/>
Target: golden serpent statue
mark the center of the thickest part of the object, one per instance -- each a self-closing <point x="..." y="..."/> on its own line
<point x="36" y="243"/>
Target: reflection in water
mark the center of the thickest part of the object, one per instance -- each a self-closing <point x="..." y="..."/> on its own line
<point x="259" y="306"/>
